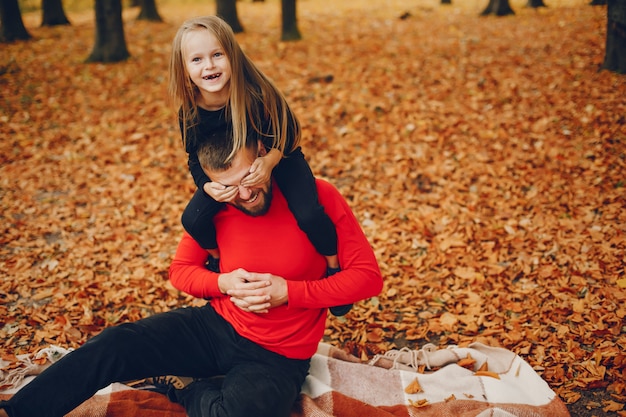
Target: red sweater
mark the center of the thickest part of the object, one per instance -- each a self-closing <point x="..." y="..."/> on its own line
<point x="273" y="243"/>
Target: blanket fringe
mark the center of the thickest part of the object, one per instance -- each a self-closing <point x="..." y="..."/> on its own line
<point x="410" y="359"/>
<point x="30" y="365"/>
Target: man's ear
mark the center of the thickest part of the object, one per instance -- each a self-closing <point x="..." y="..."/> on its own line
<point x="262" y="151"/>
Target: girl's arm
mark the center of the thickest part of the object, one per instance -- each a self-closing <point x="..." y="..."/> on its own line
<point x="262" y="167"/>
<point x="273" y="157"/>
<point x="199" y="177"/>
<point x="216" y="191"/>
<point x="198" y="174"/>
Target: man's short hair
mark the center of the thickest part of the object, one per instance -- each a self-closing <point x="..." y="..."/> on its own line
<point x="214" y="152"/>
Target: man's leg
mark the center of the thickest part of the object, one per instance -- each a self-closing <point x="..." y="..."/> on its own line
<point x="182" y="342"/>
<point x="249" y="389"/>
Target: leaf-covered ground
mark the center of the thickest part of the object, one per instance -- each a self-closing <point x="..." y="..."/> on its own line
<point x="485" y="158"/>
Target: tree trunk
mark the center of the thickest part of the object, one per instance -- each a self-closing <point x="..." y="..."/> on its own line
<point x="53" y="13"/>
<point x="227" y="10"/>
<point x="290" y="30"/>
<point x="498" y="7"/>
<point x="535" y="4"/>
<point x="598" y="3"/>
<point x="110" y="43"/>
<point x="615" y="53"/>
<point x="446" y="1"/>
<point x="149" y="11"/>
<point x="11" y="24"/>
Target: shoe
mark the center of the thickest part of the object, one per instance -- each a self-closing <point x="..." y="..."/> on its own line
<point x="338" y="311"/>
<point x="213" y="264"/>
<point x="177" y="382"/>
<point x="4" y="405"/>
<point x="187" y="395"/>
<point x="167" y="384"/>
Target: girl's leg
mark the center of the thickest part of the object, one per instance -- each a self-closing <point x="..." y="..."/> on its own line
<point x="296" y="182"/>
<point x="198" y="216"/>
<point x="187" y="342"/>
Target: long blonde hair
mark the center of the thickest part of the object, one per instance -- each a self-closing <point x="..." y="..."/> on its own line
<point x="251" y="92"/>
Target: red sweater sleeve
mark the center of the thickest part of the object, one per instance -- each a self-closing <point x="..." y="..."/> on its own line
<point x="188" y="273"/>
<point x="360" y="276"/>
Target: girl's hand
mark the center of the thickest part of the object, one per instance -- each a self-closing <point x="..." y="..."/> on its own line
<point x="220" y="192"/>
<point x="261" y="169"/>
<point x="260" y="173"/>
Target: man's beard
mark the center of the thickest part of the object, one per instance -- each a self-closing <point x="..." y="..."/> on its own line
<point x="261" y="209"/>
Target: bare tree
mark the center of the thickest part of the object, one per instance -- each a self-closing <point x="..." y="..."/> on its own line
<point x="110" y="45"/>
<point x="615" y="53"/>
<point x="11" y="24"/>
<point x="227" y="10"/>
<point x="53" y="13"/>
<point x="290" y="30"/>
<point x="149" y="11"/>
<point x="498" y="7"/>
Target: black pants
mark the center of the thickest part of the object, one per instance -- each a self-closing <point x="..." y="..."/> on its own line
<point x="194" y="342"/>
<point x="295" y="180"/>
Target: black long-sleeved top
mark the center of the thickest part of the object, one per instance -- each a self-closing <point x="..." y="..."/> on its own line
<point x="210" y="121"/>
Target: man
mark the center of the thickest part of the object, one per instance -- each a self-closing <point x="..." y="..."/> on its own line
<point x="263" y="323"/>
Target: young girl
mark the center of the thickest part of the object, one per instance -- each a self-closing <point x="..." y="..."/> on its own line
<point x="215" y="84"/>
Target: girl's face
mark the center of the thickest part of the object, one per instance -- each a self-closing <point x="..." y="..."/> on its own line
<point x="207" y="66"/>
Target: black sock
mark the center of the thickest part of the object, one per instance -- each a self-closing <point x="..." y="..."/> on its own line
<point x="332" y="271"/>
<point x="213" y="264"/>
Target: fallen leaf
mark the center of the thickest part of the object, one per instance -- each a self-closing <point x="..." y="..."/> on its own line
<point x="414" y="387"/>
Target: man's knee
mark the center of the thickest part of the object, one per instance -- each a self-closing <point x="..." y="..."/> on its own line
<point x="260" y="399"/>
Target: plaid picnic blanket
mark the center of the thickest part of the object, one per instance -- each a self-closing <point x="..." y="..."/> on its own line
<point x="472" y="381"/>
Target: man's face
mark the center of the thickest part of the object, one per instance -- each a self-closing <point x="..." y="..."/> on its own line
<point x="252" y="201"/>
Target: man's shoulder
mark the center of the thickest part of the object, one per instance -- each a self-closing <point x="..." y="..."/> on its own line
<point x="328" y="193"/>
<point x="325" y="186"/>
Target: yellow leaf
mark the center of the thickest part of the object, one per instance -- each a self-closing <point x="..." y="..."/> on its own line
<point x="467" y="363"/>
<point x="448" y="320"/>
<point x="487" y="373"/>
<point x="612" y="406"/>
<point x="419" y="403"/>
<point x="414" y="387"/>
<point x="579" y="306"/>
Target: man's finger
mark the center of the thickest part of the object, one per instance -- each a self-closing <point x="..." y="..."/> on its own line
<point x="266" y="279"/>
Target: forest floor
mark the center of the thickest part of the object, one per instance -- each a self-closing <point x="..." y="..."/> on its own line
<point x="484" y="157"/>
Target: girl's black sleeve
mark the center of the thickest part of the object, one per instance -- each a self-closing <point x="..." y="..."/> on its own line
<point x="199" y="177"/>
<point x="198" y="174"/>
